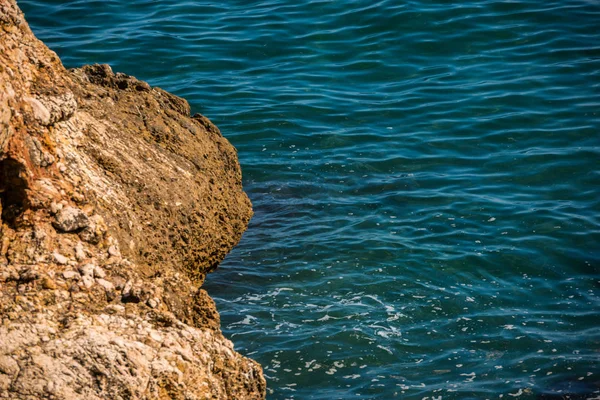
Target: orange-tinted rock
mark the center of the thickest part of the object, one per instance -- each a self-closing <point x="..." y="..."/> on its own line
<point x="100" y="169"/>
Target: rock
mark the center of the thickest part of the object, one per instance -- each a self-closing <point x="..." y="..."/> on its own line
<point x="61" y="107"/>
<point x="71" y="275"/>
<point x="8" y="366"/>
<point x="40" y="112"/>
<point x="115" y="309"/>
<point x="28" y="274"/>
<point x="79" y="252"/>
<point x="153" y="303"/>
<point x="70" y="219"/>
<point x="113" y="251"/>
<point x="55" y="207"/>
<point x="205" y="313"/>
<point x="74" y="288"/>
<point x="99" y="272"/>
<point x="87" y="270"/>
<point x="95" y="230"/>
<point x="157" y="337"/>
<point x="132" y="293"/>
<point x="5" y="275"/>
<point x="108" y="286"/>
<point x="48" y="283"/>
<point x="87" y="281"/>
<point x="60" y="259"/>
<point x="127" y="288"/>
<point x="116" y="170"/>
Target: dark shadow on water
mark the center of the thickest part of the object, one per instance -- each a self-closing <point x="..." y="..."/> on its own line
<point x="571" y="389"/>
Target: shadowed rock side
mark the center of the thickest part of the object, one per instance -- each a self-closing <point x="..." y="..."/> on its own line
<point x="114" y="204"/>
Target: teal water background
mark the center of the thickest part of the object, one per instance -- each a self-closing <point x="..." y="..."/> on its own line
<point x="425" y="179"/>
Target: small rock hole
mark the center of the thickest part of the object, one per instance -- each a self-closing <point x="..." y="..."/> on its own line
<point x="122" y="84"/>
<point x="130" y="298"/>
<point x="13" y="194"/>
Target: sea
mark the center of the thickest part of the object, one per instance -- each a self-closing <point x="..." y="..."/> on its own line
<point x="425" y="179"/>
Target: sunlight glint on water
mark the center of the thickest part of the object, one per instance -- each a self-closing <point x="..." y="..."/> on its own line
<point x="425" y="182"/>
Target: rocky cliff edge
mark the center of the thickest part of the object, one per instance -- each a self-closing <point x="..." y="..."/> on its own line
<point x="115" y="203"/>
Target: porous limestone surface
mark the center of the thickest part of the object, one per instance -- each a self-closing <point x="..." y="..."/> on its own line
<point x="115" y="203"/>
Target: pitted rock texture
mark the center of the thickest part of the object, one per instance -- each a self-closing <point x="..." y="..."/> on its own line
<point x="115" y="203"/>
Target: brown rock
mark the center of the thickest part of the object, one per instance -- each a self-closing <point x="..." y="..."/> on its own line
<point x="70" y="219"/>
<point x="48" y="283"/>
<point x="204" y="312"/>
<point x="114" y="173"/>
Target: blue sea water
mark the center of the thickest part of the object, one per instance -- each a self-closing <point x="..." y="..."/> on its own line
<point x="425" y="179"/>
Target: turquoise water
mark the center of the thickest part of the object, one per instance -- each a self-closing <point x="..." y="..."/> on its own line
<point x="425" y="178"/>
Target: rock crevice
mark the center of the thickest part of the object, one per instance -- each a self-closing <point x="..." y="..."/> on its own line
<point x="115" y="203"/>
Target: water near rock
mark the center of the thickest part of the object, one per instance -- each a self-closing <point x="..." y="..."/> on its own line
<point x="424" y="177"/>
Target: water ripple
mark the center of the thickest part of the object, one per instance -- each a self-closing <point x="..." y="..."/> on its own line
<point x="424" y="176"/>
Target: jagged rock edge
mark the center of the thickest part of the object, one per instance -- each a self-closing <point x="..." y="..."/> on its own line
<point x="115" y="204"/>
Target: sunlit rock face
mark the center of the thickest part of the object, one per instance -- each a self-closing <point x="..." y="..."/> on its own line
<point x="115" y="203"/>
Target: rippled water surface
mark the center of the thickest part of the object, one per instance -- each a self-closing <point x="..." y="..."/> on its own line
<point x="425" y="178"/>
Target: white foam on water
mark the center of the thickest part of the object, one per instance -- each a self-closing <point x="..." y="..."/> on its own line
<point x="385" y="348"/>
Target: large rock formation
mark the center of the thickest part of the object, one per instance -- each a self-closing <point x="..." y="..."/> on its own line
<point x="115" y="204"/>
